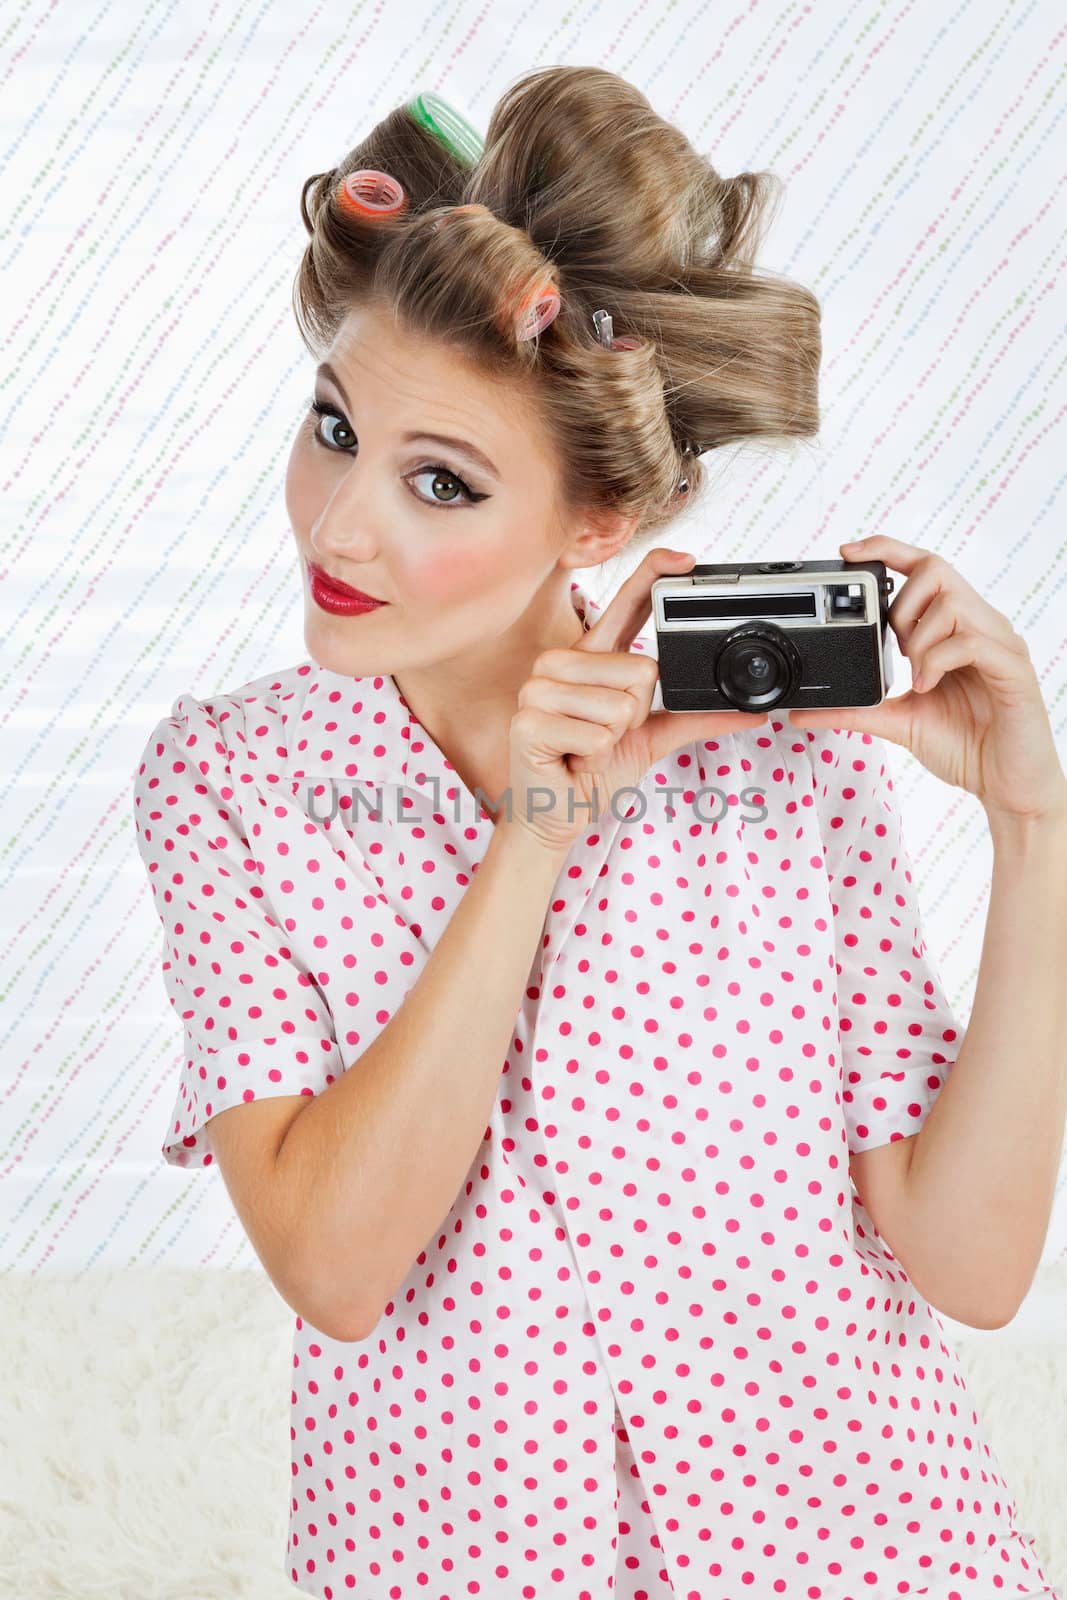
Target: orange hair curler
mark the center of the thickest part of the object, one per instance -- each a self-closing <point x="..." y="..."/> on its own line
<point x="369" y="194"/>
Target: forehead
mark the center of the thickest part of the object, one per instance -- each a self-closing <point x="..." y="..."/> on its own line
<point x="432" y="383"/>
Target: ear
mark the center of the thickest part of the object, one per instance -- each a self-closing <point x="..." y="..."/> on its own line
<point x="598" y="536"/>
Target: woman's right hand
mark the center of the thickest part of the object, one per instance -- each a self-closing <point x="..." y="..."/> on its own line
<point x="583" y="721"/>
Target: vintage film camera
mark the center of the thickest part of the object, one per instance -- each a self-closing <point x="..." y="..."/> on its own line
<point x="774" y="635"/>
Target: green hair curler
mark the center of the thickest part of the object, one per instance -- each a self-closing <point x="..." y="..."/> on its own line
<point x="447" y="126"/>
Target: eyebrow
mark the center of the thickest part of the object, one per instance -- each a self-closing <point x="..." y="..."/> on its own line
<point x="324" y="370"/>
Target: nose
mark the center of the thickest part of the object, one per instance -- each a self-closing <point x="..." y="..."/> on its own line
<point x="343" y="532"/>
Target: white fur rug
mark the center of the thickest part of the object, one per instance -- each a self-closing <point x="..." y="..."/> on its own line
<point x="145" y="1436"/>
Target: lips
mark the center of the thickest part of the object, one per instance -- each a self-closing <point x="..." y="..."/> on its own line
<point x="345" y="589"/>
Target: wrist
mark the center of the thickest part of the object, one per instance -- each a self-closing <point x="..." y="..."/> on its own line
<point x="1038" y="831"/>
<point x="514" y="841"/>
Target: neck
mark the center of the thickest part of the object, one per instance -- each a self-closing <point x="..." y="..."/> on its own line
<point x="466" y="702"/>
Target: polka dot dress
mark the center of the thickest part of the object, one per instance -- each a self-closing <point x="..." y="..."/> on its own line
<point x="657" y="1347"/>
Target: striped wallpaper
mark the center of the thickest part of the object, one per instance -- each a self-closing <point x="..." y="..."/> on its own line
<point x="153" y="377"/>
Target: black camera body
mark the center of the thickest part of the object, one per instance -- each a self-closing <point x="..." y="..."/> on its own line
<point x="770" y="635"/>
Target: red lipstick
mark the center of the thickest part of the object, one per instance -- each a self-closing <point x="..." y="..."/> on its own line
<point x="340" y="598"/>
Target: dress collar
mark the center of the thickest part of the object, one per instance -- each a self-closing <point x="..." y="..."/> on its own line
<point x="361" y="730"/>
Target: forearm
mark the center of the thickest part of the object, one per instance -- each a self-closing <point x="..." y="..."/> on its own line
<point x="984" y="1164"/>
<point x="373" y="1165"/>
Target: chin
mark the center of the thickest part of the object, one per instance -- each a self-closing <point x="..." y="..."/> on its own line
<point x="330" y="649"/>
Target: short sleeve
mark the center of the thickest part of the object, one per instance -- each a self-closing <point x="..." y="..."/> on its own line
<point x="254" y="1021"/>
<point x="899" y="1036"/>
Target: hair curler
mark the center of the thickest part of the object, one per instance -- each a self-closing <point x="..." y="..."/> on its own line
<point x="369" y="194"/>
<point x="448" y="126"/>
<point x="536" y="311"/>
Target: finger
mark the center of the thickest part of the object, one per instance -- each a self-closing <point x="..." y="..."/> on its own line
<point x="948" y="611"/>
<point x="556" y="735"/>
<point x="944" y="618"/>
<point x="611" y="708"/>
<point x="630" y="609"/>
<point x="628" y="671"/>
<point x="891" y="719"/>
<point x="920" y="591"/>
<point x="1002" y="669"/>
<point x="933" y="577"/>
<point x="616" y="669"/>
<point x="894" y="552"/>
<point x="668" y="730"/>
<point x="938" y="621"/>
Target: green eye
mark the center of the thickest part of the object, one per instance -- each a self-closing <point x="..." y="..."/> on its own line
<point x="327" y="411"/>
<point x="442" y="472"/>
<point x="321" y="408"/>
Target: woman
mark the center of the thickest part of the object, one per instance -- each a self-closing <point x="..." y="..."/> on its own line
<point x="539" y="1111"/>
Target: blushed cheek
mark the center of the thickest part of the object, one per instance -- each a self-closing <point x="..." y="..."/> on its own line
<point x="448" y="576"/>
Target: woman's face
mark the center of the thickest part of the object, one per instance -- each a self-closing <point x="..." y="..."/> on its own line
<point x="458" y="548"/>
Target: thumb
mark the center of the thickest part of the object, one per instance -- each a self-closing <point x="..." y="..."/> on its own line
<point x="891" y="720"/>
<point x="668" y="730"/>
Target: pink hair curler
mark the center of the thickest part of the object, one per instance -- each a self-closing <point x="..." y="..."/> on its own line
<point x="536" y="311"/>
<point x="371" y="194"/>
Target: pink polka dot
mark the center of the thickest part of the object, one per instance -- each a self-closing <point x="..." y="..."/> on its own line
<point x="656" y="1346"/>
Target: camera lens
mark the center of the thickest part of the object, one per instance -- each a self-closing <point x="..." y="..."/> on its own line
<point x="757" y="667"/>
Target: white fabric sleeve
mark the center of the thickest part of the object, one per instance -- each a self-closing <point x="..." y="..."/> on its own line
<point x="254" y="1021"/>
<point x="899" y="1036"/>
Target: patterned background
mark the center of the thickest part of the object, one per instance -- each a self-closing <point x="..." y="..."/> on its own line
<point x="151" y="161"/>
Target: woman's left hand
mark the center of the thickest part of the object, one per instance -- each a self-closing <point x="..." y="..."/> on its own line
<point x="974" y="714"/>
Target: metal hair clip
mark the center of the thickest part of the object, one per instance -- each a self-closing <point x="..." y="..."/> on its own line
<point x="689" y="448"/>
<point x="605" y="329"/>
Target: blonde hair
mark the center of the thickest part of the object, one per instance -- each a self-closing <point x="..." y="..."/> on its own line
<point x="583" y="187"/>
